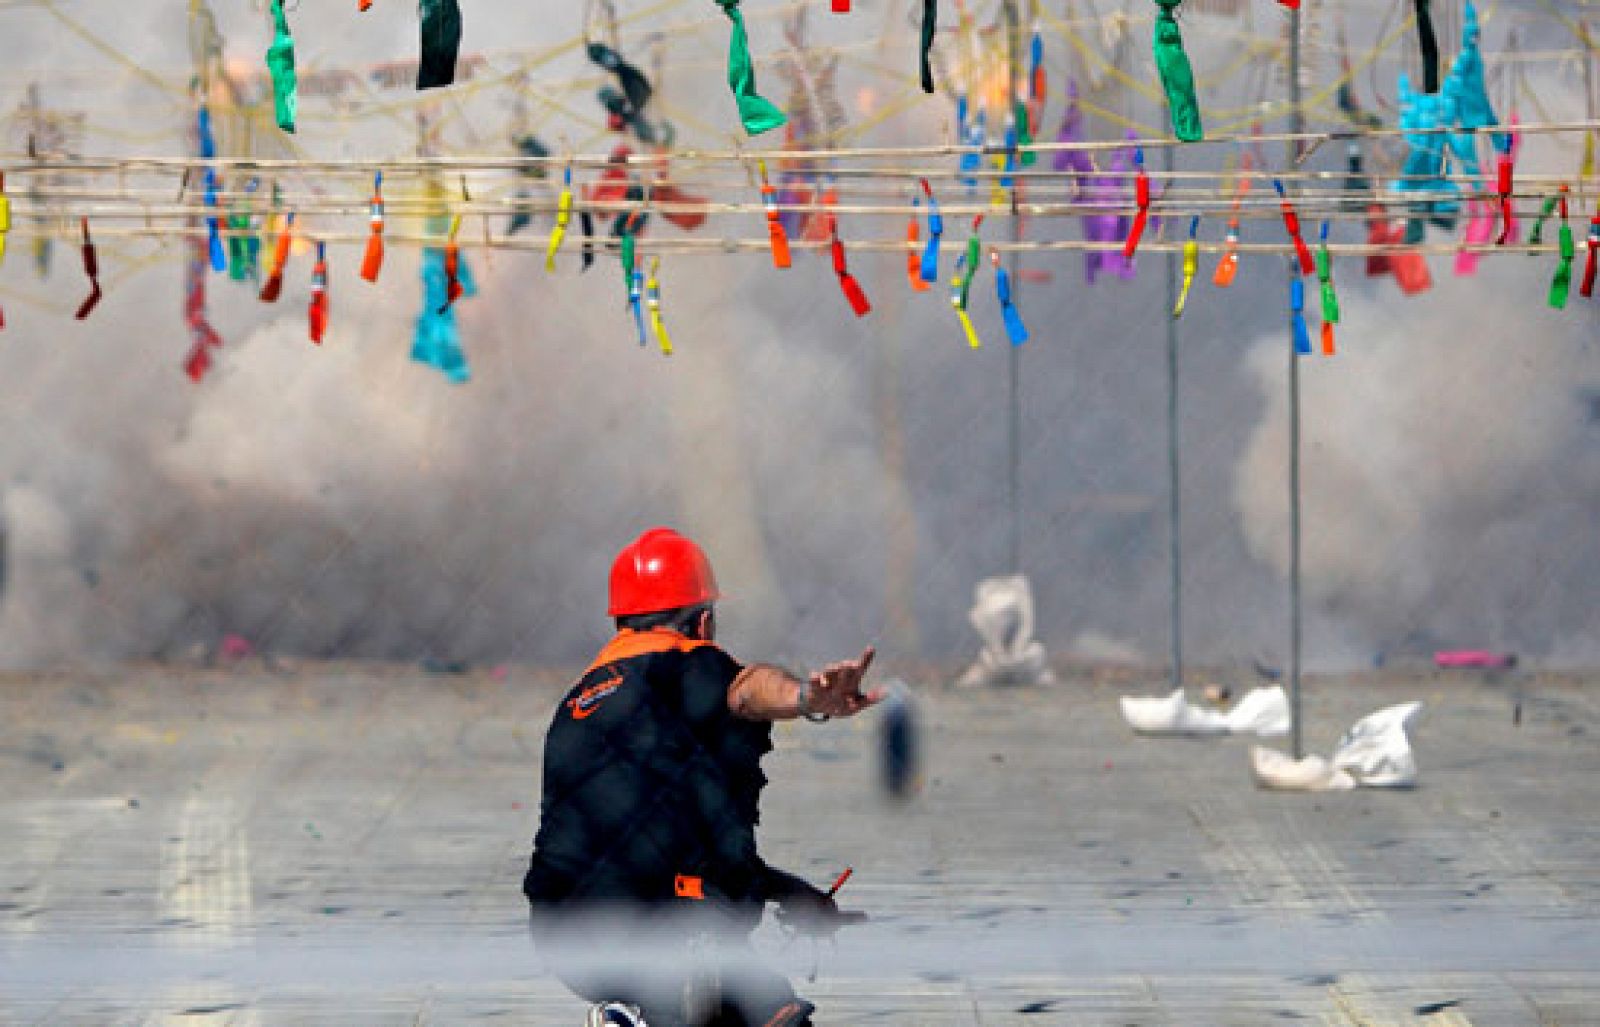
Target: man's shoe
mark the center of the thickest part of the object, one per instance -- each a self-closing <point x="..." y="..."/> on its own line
<point x="614" y="1014"/>
<point x="795" y="1014"/>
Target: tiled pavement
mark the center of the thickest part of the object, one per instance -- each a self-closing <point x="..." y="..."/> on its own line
<point x="343" y="844"/>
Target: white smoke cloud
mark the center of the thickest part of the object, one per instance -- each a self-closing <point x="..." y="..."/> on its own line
<point x="1440" y="429"/>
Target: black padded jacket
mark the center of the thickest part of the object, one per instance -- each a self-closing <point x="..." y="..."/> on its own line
<point x="649" y="779"/>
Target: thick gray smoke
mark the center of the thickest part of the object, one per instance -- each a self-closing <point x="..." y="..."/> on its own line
<point x="1448" y="470"/>
<point x="1449" y="481"/>
<point x="848" y="477"/>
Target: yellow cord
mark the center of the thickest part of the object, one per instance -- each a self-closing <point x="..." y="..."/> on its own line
<point x="652" y="288"/>
<point x="966" y="322"/>
<point x="1191" y="265"/>
<point x="563" y="218"/>
<point x="972" y="333"/>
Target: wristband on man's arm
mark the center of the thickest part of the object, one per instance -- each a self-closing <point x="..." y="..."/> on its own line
<point x="803" y="702"/>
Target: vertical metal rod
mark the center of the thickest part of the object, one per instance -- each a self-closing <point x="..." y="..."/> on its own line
<point x="1174" y="464"/>
<point x="1296" y="126"/>
<point x="1014" y="353"/>
<point x="1014" y="443"/>
<point x="1588" y="70"/>
<point x="1294" y="545"/>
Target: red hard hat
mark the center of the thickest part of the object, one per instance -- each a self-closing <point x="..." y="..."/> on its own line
<point x="660" y="570"/>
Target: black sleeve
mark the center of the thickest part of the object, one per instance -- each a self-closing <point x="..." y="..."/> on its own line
<point x="707" y="674"/>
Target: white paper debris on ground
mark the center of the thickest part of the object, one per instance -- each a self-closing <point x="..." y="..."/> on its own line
<point x="1262" y="711"/>
<point x="1002" y="612"/>
<point x="1273" y="769"/>
<point x="1375" y="753"/>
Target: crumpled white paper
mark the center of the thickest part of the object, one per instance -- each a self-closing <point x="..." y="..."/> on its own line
<point x="1374" y="753"/>
<point x="1262" y="711"/>
<point x="1273" y="769"/>
<point x="1002" y="612"/>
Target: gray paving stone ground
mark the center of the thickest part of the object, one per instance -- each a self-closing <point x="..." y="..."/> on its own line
<point x="343" y="844"/>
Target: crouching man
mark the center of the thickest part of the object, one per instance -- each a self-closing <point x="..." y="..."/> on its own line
<point x="645" y="882"/>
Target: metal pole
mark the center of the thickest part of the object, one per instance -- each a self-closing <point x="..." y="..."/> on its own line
<point x="1588" y="67"/>
<point x="1296" y="125"/>
<point x="1014" y="442"/>
<point x="1174" y="465"/>
<point x="1014" y="353"/>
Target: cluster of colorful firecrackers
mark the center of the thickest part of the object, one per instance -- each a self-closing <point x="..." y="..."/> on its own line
<point x="202" y="337"/>
<point x="436" y="341"/>
<point x="1463" y="104"/>
<point x="1441" y="126"/>
<point x="1094" y="188"/>
<point x="1303" y="264"/>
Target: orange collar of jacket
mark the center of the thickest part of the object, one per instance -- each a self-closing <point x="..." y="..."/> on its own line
<point x="628" y="643"/>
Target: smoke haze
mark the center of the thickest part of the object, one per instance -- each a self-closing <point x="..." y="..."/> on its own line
<point x="848" y="477"/>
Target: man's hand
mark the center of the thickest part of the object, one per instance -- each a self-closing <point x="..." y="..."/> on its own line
<point x="805" y="908"/>
<point x="812" y="911"/>
<point x="815" y="912"/>
<point x="835" y="690"/>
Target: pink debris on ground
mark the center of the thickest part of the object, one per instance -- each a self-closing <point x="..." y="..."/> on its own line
<point x="1480" y="658"/>
<point x="236" y="647"/>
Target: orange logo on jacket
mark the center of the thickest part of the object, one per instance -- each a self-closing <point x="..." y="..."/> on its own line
<point x="588" y="700"/>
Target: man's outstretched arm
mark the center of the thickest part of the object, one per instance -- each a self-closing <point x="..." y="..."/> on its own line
<point x="765" y="692"/>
